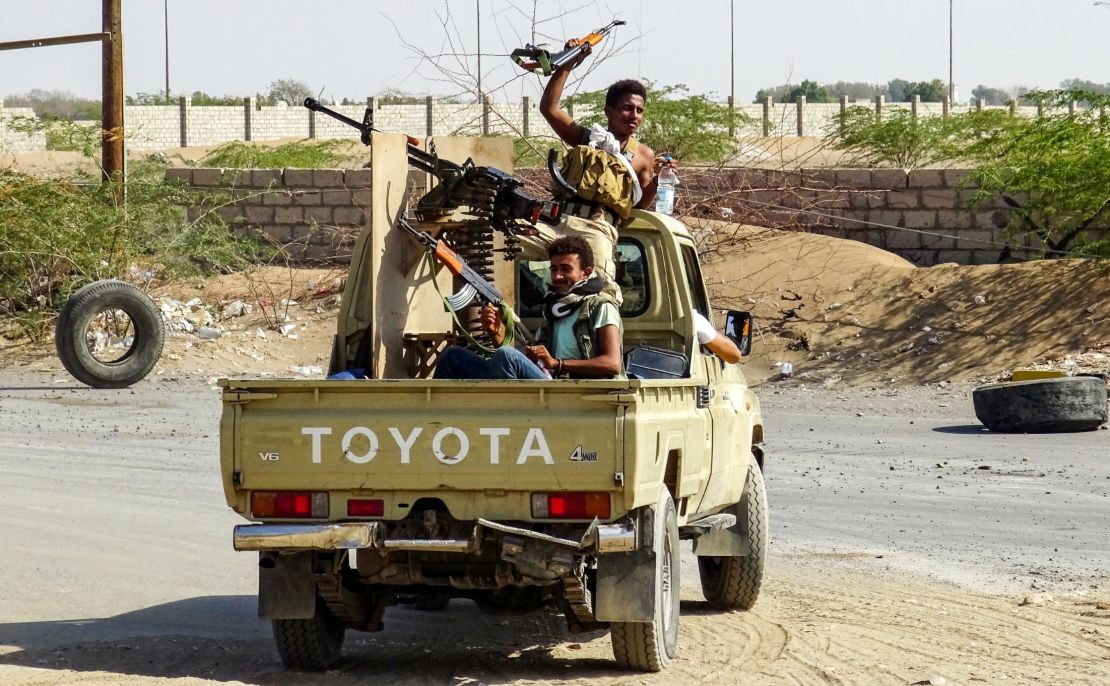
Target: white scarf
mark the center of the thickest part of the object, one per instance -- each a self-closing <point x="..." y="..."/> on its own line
<point x="604" y="140"/>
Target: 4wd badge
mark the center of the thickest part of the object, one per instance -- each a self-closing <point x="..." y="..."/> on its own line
<point x="580" y="455"/>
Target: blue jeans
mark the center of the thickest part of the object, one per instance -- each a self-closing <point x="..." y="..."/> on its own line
<point x="507" y="363"/>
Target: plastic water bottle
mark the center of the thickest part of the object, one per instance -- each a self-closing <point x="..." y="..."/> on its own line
<point x="664" y="191"/>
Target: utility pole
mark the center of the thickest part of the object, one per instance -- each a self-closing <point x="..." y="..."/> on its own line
<point x="732" y="50"/>
<point x="112" y="91"/>
<point x="478" y="16"/>
<point x="951" y="53"/>
<point x="166" y="16"/>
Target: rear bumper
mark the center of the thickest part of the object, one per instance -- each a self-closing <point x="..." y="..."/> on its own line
<point x="599" y="538"/>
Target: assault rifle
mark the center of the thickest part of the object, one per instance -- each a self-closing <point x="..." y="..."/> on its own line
<point x="474" y="284"/>
<point x="486" y="189"/>
<point x="532" y="57"/>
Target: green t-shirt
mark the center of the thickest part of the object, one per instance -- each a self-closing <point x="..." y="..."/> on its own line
<point x="566" y="347"/>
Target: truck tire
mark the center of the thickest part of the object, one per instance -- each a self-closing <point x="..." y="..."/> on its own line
<point x="650" y="646"/>
<point x="733" y="583"/>
<point x="313" y="644"/>
<point x="79" y="316"/>
<point x="1076" y="403"/>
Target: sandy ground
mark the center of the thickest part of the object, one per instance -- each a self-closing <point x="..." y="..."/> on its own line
<point x="117" y="566"/>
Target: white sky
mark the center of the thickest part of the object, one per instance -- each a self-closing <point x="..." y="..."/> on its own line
<point x="351" y="48"/>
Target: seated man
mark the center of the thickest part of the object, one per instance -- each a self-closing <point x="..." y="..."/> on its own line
<point x="579" y="339"/>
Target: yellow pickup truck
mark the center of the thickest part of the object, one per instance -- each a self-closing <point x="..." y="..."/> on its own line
<point x="513" y="494"/>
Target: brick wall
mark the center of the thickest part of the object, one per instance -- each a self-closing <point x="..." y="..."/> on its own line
<point x="923" y="215"/>
<point x="14" y="141"/>
<point x="313" y="214"/>
<point x="168" y="126"/>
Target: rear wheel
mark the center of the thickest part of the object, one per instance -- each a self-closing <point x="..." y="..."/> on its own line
<point x="733" y="583"/>
<point x="314" y="644"/>
<point x="650" y="646"/>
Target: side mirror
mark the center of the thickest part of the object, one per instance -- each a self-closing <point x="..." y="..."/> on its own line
<point x="738" y="327"/>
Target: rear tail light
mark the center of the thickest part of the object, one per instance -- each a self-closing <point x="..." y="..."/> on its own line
<point x="289" y="504"/>
<point x="570" y="505"/>
<point x="357" y="507"/>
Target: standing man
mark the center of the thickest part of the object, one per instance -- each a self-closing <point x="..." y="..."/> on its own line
<point x="580" y="337"/>
<point x="609" y="185"/>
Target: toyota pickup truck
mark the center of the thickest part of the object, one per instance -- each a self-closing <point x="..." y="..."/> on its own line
<point x="514" y="494"/>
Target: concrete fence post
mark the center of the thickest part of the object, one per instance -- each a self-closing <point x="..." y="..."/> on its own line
<point x="372" y="103"/>
<point x="979" y="104"/>
<point x="248" y="116"/>
<point x="429" y="116"/>
<point x="731" y="116"/>
<point x="485" y="115"/>
<point x="768" y="106"/>
<point x="1073" y="107"/>
<point x="183" y="105"/>
<point x="1013" y="108"/>
<point x="570" y="109"/>
<point x="1040" y="109"/>
<point x="945" y="106"/>
<point x="843" y="113"/>
<point x="312" y="123"/>
<point x="801" y="115"/>
<point x="525" y="113"/>
<point x="880" y="100"/>
<point x="915" y="106"/>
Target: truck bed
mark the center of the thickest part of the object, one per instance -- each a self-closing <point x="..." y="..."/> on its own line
<point x="480" y="447"/>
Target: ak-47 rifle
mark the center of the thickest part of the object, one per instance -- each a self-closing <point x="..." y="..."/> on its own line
<point x="532" y="57"/>
<point x="474" y="284"/>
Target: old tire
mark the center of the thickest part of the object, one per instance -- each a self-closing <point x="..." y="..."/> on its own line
<point x="314" y="644"/>
<point x="650" y="646"/>
<point x="71" y="337"/>
<point x="733" y="583"/>
<point x="1076" y="403"/>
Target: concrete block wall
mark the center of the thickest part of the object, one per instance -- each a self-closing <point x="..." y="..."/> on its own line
<point x="14" y="141"/>
<point x="313" y="215"/>
<point x="923" y="215"/>
<point x="167" y="126"/>
<point x="152" y="127"/>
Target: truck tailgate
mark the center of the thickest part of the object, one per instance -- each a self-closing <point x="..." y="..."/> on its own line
<point x="479" y="446"/>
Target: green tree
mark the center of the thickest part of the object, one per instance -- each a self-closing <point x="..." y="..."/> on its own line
<point x="58" y="104"/>
<point x="1086" y="86"/>
<point x="855" y="90"/>
<point x="900" y="139"/>
<point x="289" y="91"/>
<point x="991" y="96"/>
<point x="1053" y="170"/>
<point x="689" y="127"/>
<point x="896" y="90"/>
<point x="930" y="91"/>
<point x="810" y="89"/>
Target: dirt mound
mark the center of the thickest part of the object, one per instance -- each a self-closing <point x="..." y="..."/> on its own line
<point x="844" y="311"/>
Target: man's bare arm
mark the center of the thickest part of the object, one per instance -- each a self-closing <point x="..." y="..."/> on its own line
<point x="558" y="118"/>
<point x="723" y="347"/>
<point x="645" y="170"/>
<point x="608" y="361"/>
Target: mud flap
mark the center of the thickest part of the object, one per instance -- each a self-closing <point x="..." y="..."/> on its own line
<point x="730" y="542"/>
<point x="626" y="581"/>
<point x="286" y="587"/>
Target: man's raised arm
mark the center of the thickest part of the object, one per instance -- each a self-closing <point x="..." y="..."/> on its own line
<point x="558" y="118"/>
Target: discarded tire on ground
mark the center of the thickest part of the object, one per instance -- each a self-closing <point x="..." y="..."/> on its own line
<point x="1076" y="403"/>
<point x="109" y="334"/>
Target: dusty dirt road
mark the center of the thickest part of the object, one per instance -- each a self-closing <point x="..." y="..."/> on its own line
<point x="116" y="564"/>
